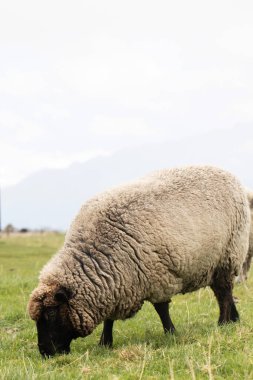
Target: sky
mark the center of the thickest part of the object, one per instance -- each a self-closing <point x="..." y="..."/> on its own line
<point x="86" y="78"/>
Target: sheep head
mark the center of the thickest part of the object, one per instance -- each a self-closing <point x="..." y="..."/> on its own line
<point x="49" y="307"/>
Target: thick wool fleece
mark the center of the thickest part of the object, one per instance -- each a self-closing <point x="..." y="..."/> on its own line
<point x="168" y="233"/>
<point x="247" y="262"/>
<point x="250" y="198"/>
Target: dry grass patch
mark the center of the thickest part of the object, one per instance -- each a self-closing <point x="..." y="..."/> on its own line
<point x="131" y="354"/>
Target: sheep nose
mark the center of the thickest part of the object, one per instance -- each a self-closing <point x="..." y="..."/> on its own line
<point x="46" y="354"/>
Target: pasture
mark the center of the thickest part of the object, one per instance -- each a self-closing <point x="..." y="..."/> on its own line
<point x="199" y="349"/>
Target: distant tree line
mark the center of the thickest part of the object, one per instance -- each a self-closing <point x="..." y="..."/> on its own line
<point x="10" y="229"/>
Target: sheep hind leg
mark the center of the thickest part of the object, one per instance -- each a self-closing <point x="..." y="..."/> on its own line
<point x="106" y="337"/>
<point x="162" y="309"/>
<point x="222" y="288"/>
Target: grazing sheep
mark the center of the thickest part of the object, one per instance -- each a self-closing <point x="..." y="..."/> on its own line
<point x="172" y="232"/>
<point x="246" y="265"/>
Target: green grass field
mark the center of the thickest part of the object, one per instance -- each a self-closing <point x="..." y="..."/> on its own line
<point x="199" y="350"/>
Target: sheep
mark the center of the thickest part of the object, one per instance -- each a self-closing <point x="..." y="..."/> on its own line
<point x="174" y="231"/>
<point x="246" y="265"/>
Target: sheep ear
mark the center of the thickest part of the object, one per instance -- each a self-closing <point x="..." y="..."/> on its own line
<point x="35" y="304"/>
<point x="62" y="295"/>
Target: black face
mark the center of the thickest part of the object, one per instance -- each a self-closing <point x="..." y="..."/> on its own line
<point x="55" y="331"/>
<point x="54" y="334"/>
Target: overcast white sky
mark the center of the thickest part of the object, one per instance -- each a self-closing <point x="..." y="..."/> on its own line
<point x="83" y="78"/>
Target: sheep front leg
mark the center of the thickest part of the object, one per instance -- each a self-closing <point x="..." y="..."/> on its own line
<point x="106" y="337"/>
<point x="162" y="309"/>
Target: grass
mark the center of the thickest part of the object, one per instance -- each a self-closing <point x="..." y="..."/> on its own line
<point x="199" y="349"/>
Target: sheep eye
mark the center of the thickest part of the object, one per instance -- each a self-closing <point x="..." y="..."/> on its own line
<point x="50" y="314"/>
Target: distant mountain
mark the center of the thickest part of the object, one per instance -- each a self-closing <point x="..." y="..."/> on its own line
<point x="50" y="198"/>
